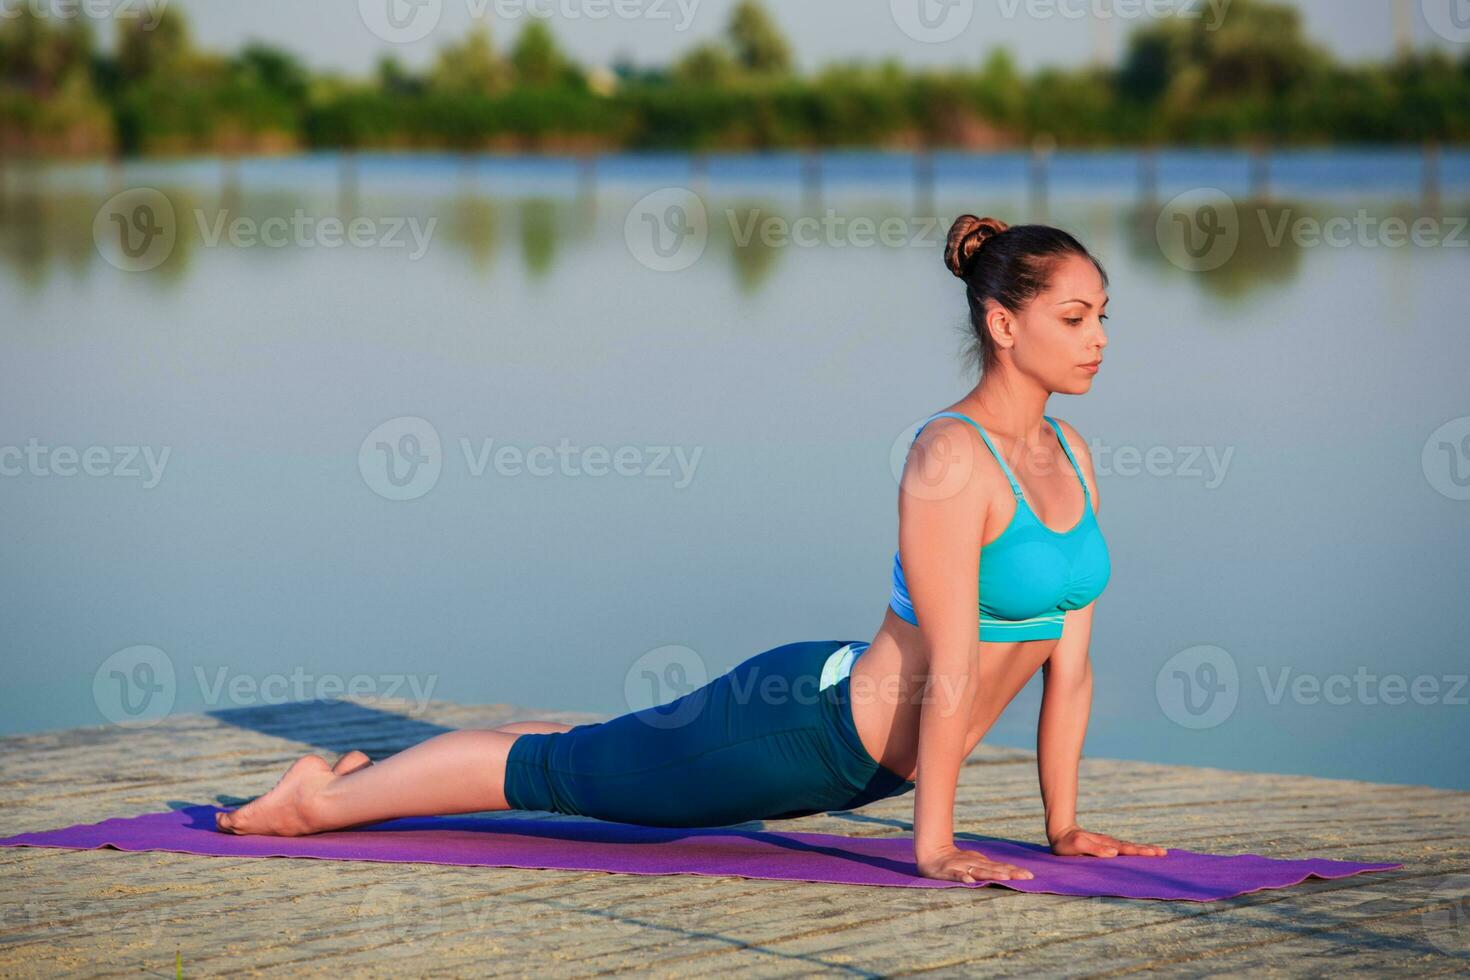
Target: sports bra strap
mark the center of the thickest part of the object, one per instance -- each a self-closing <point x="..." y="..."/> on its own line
<point x="1015" y="487"/>
<point x="1086" y="494"/>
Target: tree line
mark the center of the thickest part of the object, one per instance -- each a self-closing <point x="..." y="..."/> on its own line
<point x="1254" y="78"/>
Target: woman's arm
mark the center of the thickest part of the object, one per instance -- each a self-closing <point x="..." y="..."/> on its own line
<point x="1066" y="703"/>
<point x="942" y="505"/>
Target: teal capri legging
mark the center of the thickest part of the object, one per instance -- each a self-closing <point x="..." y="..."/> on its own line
<point x="742" y="747"/>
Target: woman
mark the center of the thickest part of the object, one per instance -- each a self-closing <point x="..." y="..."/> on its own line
<point x="837" y="730"/>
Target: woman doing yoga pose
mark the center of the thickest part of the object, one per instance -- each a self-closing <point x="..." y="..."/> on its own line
<point x="824" y="725"/>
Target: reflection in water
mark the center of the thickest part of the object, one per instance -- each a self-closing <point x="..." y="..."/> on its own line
<point x="473" y="226"/>
<point x="538" y="234"/>
<point x="43" y="229"/>
<point x="37" y="231"/>
<point x="753" y="254"/>
<point x="1258" y="263"/>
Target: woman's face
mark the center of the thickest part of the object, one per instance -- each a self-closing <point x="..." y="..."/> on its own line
<point x="1061" y="331"/>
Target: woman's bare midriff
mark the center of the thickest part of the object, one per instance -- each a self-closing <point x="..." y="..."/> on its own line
<point x="887" y="690"/>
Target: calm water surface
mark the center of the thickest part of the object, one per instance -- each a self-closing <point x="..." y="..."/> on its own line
<point x="523" y="463"/>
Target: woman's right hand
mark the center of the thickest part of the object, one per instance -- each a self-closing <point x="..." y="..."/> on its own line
<point x="954" y="864"/>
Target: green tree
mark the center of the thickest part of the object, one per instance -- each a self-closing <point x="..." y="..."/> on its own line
<point x="537" y="60"/>
<point x="1258" y="51"/>
<point x="276" y="71"/>
<point x="41" y="59"/>
<point x="759" y="45"/>
<point x="706" y="64"/>
<point x="161" y="52"/>
<point x="470" y="67"/>
<point x="393" y="78"/>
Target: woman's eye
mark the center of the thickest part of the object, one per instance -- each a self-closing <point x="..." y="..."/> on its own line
<point x="1103" y="317"/>
<point x="1074" y="321"/>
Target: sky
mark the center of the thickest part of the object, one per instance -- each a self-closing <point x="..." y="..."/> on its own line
<point x="349" y="35"/>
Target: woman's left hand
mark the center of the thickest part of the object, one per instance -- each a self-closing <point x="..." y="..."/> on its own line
<point x="1075" y="840"/>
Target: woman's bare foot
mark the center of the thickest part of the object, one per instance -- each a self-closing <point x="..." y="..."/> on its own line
<point x="351" y="762"/>
<point x="286" y="811"/>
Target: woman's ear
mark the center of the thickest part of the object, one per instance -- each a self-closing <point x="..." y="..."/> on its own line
<point x="1001" y="327"/>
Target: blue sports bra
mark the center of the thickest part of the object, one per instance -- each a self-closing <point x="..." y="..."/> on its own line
<point x="1030" y="575"/>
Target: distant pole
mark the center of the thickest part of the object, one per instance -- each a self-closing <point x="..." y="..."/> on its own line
<point x="115" y="173"/>
<point x="1431" y="175"/>
<point x="1403" y="26"/>
<point x="924" y="181"/>
<point x="1038" y="172"/>
<point x="811" y="176"/>
<point x="587" y="174"/>
<point x="1148" y="173"/>
<point x="347" y="181"/>
<point x="1260" y="171"/>
<point x="699" y="171"/>
<point x="229" y="166"/>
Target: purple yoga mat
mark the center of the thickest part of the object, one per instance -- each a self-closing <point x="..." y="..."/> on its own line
<point x="592" y="845"/>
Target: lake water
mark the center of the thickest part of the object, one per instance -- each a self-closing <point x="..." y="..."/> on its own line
<point x="572" y="447"/>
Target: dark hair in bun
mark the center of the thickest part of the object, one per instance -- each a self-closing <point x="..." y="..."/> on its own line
<point x="1009" y="265"/>
<point x="966" y="236"/>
